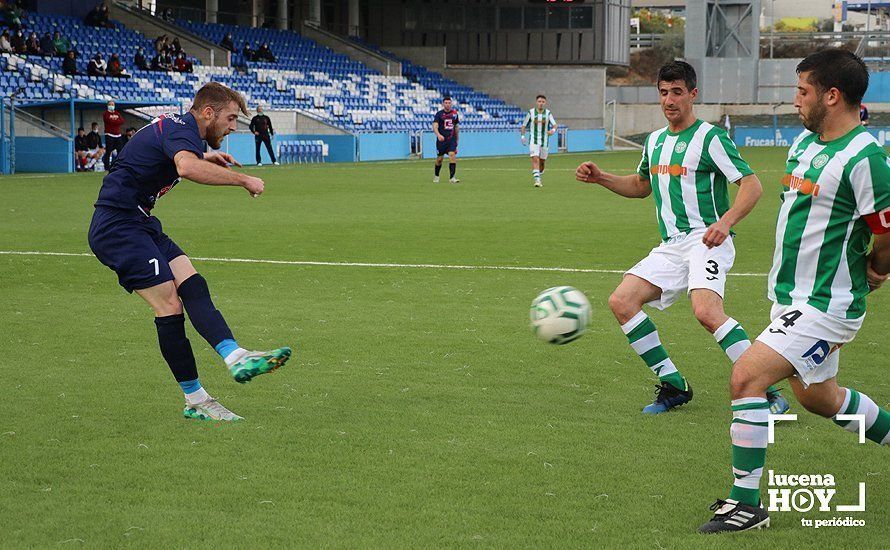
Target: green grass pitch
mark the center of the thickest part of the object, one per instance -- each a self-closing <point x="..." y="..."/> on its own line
<point x="418" y="410"/>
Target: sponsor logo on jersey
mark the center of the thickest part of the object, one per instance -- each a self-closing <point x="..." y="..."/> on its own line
<point x="671" y="169"/>
<point x="681" y="146"/>
<point x="819" y="161"/>
<point x="802" y="185"/>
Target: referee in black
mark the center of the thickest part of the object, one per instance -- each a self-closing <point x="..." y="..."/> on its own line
<point x="261" y="126"/>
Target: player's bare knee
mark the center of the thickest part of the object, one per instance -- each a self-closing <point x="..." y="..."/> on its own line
<point x="710" y="317"/>
<point x="170" y="305"/>
<point x="623" y="308"/>
<point x="743" y="382"/>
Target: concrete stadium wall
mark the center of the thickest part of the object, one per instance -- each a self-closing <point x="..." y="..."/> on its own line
<point x="61" y="118"/>
<point x="575" y="93"/>
<point x="293" y="122"/>
<point x="639" y="119"/>
<point x="346" y="47"/>
<point x="431" y="57"/>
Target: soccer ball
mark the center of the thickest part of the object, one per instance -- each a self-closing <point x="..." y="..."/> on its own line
<point x="560" y="314"/>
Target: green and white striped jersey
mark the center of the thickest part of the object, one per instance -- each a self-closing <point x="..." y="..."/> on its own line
<point x="821" y="237"/>
<point x="689" y="172"/>
<point x="539" y="124"/>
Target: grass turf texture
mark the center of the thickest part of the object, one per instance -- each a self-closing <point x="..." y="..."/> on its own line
<point x="418" y="410"/>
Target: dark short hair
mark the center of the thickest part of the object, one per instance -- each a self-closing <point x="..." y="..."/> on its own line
<point x="81" y="129"/>
<point x="837" y="68"/>
<point x="446" y="98"/>
<point x="540" y="96"/>
<point x="678" y="70"/>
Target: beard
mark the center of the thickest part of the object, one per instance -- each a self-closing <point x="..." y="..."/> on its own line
<point x="814" y="120"/>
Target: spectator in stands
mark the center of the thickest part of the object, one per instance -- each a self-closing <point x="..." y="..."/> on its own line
<point x="94" y="147"/>
<point x="182" y="64"/>
<point x="113" y="121"/>
<point x="161" y="44"/>
<point x="161" y="62"/>
<point x="5" y="45"/>
<point x="265" y="53"/>
<point x="175" y="47"/>
<point x="61" y="45"/>
<point x="168" y="16"/>
<point x="18" y="42"/>
<point x="33" y="44"/>
<point x="115" y="68"/>
<point x="248" y="52"/>
<point x="261" y="126"/>
<point x="47" y="46"/>
<point x="81" y="150"/>
<point x="98" y="17"/>
<point x="13" y="14"/>
<point x="228" y="43"/>
<point x="69" y="64"/>
<point x="139" y="60"/>
<point x="97" y="66"/>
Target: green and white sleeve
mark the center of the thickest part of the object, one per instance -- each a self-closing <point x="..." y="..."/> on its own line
<point x="726" y="158"/>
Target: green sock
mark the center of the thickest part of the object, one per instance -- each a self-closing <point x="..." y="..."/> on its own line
<point x="643" y="338"/>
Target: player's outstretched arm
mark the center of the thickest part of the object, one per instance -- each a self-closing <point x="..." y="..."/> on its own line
<point x="208" y="172"/>
<point x="633" y="186"/>
<point x="749" y="193"/>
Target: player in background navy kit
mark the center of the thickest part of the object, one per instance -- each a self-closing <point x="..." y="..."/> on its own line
<point x="445" y="127"/>
<point x="128" y="239"/>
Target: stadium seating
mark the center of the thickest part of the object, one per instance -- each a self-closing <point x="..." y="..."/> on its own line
<point x="306" y="77"/>
<point x="300" y="151"/>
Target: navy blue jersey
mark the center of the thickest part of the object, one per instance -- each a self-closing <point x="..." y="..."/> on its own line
<point x="447" y="122"/>
<point x="144" y="170"/>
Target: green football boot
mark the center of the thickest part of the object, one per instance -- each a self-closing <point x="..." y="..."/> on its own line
<point x="210" y="409"/>
<point x="255" y="363"/>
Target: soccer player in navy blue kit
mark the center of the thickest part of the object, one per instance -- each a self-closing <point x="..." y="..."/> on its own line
<point x="445" y="127"/>
<point x="128" y="239"/>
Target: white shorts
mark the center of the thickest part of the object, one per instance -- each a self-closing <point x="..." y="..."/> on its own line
<point x="538" y="151"/>
<point x="809" y="339"/>
<point x="684" y="263"/>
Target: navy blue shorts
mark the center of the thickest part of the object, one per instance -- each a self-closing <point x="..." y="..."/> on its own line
<point x="445" y="147"/>
<point x="133" y="245"/>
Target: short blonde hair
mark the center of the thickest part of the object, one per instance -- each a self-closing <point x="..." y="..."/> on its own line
<point x="217" y="97"/>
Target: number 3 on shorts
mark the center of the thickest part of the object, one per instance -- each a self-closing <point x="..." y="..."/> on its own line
<point x="155" y="262"/>
<point x="713" y="269"/>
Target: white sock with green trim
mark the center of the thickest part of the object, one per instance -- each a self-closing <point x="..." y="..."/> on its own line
<point x="749" y="432"/>
<point x="536" y="174"/>
<point x="732" y="339"/>
<point x="877" y="420"/>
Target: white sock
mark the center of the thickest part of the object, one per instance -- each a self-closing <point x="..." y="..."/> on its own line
<point x="732" y="339"/>
<point x="197" y="396"/>
<point x="233" y="357"/>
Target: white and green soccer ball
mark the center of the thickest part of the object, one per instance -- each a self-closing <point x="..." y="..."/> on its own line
<point x="560" y="315"/>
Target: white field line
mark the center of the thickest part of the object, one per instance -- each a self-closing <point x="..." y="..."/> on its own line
<point x="310" y="263"/>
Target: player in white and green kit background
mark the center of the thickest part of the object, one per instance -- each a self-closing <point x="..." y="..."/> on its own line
<point x="687" y="166"/>
<point x="836" y="196"/>
<point x="541" y="125"/>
